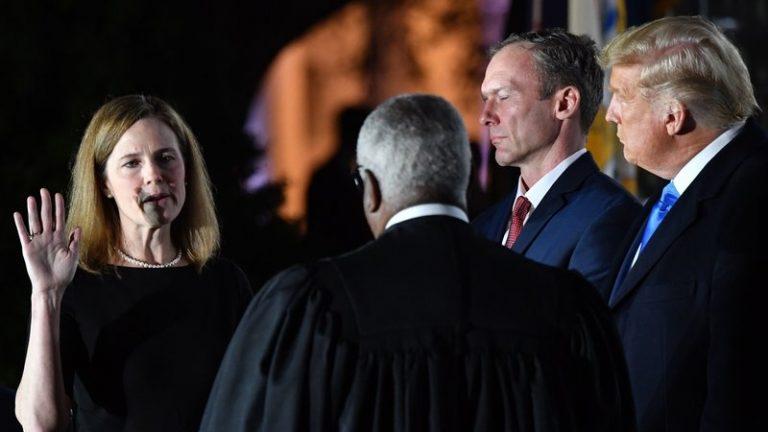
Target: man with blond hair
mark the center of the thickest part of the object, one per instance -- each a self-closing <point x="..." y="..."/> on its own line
<point x="684" y="298"/>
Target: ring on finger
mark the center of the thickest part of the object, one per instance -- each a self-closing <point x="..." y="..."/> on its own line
<point x="33" y="234"/>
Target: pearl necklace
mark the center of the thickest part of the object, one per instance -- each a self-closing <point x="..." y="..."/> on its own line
<point x="145" y="264"/>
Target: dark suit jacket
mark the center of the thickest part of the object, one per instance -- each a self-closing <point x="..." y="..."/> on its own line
<point x="8" y="421"/>
<point x="579" y="225"/>
<point x="429" y="327"/>
<point x="690" y="310"/>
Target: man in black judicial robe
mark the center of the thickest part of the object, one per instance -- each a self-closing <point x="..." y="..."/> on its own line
<point x="430" y="327"/>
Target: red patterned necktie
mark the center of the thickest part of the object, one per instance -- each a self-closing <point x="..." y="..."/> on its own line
<point x="519" y="211"/>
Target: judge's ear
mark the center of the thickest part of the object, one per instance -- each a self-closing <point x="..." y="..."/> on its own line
<point x="567" y="101"/>
<point x="676" y="117"/>
<point x="371" y="192"/>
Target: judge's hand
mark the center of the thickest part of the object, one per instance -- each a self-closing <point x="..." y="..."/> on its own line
<point x="50" y="253"/>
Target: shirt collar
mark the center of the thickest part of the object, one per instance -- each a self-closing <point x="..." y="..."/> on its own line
<point x="537" y="192"/>
<point x="430" y="209"/>
<point x="691" y="170"/>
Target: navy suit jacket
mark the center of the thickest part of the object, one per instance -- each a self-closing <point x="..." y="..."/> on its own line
<point x="579" y="225"/>
<point x="690" y="311"/>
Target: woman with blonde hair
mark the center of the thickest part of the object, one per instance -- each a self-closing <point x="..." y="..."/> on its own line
<point x="132" y="339"/>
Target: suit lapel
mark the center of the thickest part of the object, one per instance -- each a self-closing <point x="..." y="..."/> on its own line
<point x="502" y="217"/>
<point x="680" y="217"/>
<point x="554" y="200"/>
<point x="619" y="278"/>
<point x="706" y="185"/>
<point x="538" y="220"/>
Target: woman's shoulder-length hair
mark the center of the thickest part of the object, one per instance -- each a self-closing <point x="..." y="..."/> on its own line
<point x="195" y="231"/>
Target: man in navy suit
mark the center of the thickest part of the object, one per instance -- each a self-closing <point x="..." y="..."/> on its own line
<point x="687" y="296"/>
<point x="541" y="92"/>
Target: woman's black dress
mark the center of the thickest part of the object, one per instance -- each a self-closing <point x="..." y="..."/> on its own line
<point x="140" y="347"/>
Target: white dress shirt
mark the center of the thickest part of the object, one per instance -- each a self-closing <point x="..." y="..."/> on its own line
<point x="691" y="170"/>
<point x="537" y="192"/>
<point x="430" y="209"/>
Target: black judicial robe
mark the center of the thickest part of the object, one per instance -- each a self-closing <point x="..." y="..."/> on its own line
<point x="428" y="328"/>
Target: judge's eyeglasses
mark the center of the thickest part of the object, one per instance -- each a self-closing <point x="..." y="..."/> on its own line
<point x="357" y="179"/>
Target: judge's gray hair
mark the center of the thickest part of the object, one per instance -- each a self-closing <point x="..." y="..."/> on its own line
<point x="417" y="147"/>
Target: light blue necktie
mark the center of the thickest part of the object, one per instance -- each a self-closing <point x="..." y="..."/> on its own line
<point x="668" y="198"/>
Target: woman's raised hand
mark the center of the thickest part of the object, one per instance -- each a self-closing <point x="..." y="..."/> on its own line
<point x="50" y="253"/>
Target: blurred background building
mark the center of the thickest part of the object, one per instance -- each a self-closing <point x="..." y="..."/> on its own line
<point x="276" y="92"/>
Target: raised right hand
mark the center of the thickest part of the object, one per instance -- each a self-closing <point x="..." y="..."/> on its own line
<point x="50" y="253"/>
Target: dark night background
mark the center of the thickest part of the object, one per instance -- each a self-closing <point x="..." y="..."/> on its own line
<point x="61" y="60"/>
